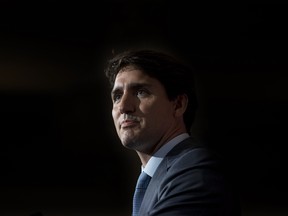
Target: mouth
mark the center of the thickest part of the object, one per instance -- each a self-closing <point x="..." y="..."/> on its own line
<point x="129" y="124"/>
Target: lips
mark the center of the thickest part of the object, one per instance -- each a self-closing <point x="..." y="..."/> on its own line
<point x="129" y="123"/>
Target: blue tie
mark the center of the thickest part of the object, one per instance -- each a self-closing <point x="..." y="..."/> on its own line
<point x="140" y="189"/>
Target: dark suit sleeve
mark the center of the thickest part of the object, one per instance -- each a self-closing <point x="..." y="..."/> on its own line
<point x="194" y="185"/>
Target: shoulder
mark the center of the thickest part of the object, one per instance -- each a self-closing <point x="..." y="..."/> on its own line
<point x="191" y="179"/>
<point x="191" y="153"/>
<point x="192" y="164"/>
<point x="192" y="167"/>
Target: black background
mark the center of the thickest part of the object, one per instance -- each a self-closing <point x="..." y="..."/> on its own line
<point x="59" y="151"/>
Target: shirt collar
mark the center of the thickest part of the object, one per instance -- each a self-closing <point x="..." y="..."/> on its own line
<point x="157" y="158"/>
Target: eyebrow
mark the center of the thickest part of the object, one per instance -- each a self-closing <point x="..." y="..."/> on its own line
<point x="131" y="86"/>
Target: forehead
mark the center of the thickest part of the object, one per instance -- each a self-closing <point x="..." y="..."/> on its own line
<point x="129" y="75"/>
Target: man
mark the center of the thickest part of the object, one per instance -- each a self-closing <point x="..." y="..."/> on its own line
<point x="154" y="104"/>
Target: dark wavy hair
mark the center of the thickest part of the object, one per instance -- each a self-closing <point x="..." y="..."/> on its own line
<point x="176" y="77"/>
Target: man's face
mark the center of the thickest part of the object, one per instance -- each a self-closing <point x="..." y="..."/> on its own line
<point x="142" y="113"/>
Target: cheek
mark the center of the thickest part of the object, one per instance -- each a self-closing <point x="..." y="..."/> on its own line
<point x="161" y="111"/>
<point x="114" y="115"/>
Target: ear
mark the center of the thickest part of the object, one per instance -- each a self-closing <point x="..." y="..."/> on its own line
<point x="181" y="103"/>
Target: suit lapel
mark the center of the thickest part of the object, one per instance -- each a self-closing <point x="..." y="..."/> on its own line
<point x="151" y="193"/>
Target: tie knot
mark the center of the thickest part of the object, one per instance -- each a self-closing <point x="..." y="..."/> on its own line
<point x="143" y="181"/>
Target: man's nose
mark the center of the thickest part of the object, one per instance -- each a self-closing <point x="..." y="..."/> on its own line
<point x="127" y="104"/>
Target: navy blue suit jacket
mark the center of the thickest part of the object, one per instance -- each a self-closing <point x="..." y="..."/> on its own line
<point x="189" y="181"/>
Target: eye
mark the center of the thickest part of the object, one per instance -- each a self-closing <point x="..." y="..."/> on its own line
<point x="116" y="97"/>
<point x="142" y="93"/>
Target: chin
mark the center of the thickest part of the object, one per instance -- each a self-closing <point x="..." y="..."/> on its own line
<point x="130" y="144"/>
